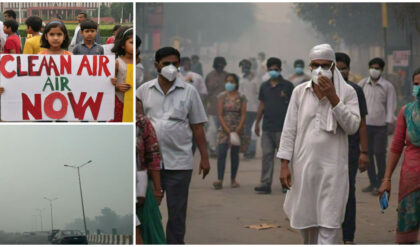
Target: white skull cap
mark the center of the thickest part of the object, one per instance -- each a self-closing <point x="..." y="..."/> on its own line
<point x="323" y="51"/>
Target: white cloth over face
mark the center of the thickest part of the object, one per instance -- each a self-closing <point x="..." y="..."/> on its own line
<point x="325" y="52"/>
<point x="318" y="158"/>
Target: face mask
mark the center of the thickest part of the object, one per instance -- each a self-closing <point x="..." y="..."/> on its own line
<point x="299" y="70"/>
<point x="416" y="91"/>
<point x="273" y="74"/>
<point x="375" y="73"/>
<point x="230" y="87"/>
<point x="318" y="72"/>
<point x="169" y="72"/>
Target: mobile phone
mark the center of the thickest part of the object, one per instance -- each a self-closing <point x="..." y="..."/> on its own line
<point x="383" y="202"/>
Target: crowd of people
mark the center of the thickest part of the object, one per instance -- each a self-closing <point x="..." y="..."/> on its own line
<point x="50" y="37"/>
<point x="323" y="127"/>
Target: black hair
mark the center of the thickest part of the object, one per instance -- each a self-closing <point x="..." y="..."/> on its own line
<point x="342" y="57"/>
<point x="219" y="60"/>
<point x="123" y="34"/>
<point x="245" y="62"/>
<point x="88" y="24"/>
<point x="377" y="60"/>
<point x="48" y="27"/>
<point x="10" y="13"/>
<point x="416" y="72"/>
<point x="299" y="62"/>
<point x="138" y="42"/>
<point x="166" y="51"/>
<point x="84" y="14"/>
<point x="34" y="22"/>
<point x="12" y="24"/>
<point x="184" y="60"/>
<point x="273" y="61"/>
<point x="235" y="77"/>
<point x="116" y="27"/>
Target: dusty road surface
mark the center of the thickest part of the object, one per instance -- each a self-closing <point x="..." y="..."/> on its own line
<point x="220" y="216"/>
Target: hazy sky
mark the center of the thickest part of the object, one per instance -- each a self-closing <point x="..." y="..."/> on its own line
<point x="32" y="167"/>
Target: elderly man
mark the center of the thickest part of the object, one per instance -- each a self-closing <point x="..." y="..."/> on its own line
<point x="178" y="115"/>
<point x="314" y="149"/>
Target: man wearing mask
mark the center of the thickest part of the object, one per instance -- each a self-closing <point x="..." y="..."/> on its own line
<point x="177" y="114"/>
<point x="299" y="76"/>
<point x="274" y="97"/>
<point x="358" y="157"/>
<point x="248" y="86"/>
<point x="196" y="65"/>
<point x="195" y="79"/>
<point x="381" y="100"/>
<point x="215" y="82"/>
<point x="314" y="150"/>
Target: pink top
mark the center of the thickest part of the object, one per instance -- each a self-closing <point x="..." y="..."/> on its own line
<point x="410" y="170"/>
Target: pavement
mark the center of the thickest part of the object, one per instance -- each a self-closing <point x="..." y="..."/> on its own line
<point x="221" y="216"/>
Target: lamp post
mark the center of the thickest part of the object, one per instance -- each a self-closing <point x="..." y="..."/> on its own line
<point x="40" y="216"/>
<point x="81" y="194"/>
<point x="51" y="207"/>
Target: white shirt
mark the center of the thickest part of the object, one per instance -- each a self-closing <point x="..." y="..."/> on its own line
<point x="381" y="101"/>
<point x="249" y="88"/>
<point x="318" y="159"/>
<point x="3" y="37"/>
<point x="73" y="40"/>
<point x="195" y="79"/>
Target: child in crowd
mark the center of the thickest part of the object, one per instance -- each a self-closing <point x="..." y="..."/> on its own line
<point x="123" y="49"/>
<point x="12" y="45"/>
<point x="33" y="28"/>
<point x="111" y="39"/>
<point x="89" y="29"/>
<point x="55" y="39"/>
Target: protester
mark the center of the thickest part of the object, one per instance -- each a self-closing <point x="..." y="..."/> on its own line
<point x="55" y="39"/>
<point x="33" y="27"/>
<point x="231" y="108"/>
<point x="196" y="65"/>
<point x="299" y="76"/>
<point x="382" y="103"/>
<point x="357" y="159"/>
<point x="148" y="190"/>
<point x="406" y="138"/>
<point x="248" y="86"/>
<point x="12" y="45"/>
<point x="215" y="82"/>
<point x="192" y="77"/>
<point x="123" y="49"/>
<point x="111" y="39"/>
<point x="274" y="97"/>
<point x="321" y="114"/>
<point x="88" y="29"/>
<point x="177" y="113"/>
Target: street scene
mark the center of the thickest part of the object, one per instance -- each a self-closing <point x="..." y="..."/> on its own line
<point x="66" y="185"/>
<point x="278" y="123"/>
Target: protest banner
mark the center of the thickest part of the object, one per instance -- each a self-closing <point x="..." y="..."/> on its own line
<point x="57" y="87"/>
<point x="128" y="96"/>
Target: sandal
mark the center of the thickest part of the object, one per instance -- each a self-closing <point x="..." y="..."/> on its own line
<point x="218" y="185"/>
<point x="235" y="185"/>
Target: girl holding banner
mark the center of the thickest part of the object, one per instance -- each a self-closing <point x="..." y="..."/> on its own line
<point x="55" y="39"/>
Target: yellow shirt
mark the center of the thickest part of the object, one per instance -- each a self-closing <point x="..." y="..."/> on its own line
<point x="33" y="45"/>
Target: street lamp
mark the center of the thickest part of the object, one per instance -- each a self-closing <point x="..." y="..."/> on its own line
<point x="40" y="216"/>
<point x="51" y="207"/>
<point x="80" y="185"/>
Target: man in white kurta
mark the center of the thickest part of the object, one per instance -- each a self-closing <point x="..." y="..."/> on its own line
<point x="314" y="150"/>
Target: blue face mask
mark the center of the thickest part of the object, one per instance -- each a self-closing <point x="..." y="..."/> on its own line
<point x="230" y="87"/>
<point x="273" y="74"/>
<point x="416" y="91"/>
<point x="299" y="70"/>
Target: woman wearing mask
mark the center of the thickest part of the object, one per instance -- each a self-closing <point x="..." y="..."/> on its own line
<point x="231" y="110"/>
<point x="407" y="135"/>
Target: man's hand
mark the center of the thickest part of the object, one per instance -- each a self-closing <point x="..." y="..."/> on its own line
<point x="285" y="177"/>
<point x="363" y="162"/>
<point x="257" y="129"/>
<point x="390" y="128"/>
<point x="158" y="195"/>
<point x="326" y="86"/>
<point x="204" y="167"/>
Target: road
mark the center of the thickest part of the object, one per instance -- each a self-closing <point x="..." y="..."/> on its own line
<point x="220" y="216"/>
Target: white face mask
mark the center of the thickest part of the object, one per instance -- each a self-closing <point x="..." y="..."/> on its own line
<point x="375" y="73"/>
<point x="169" y="72"/>
<point x="318" y="72"/>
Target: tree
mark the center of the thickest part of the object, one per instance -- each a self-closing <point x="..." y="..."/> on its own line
<point x="121" y="8"/>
